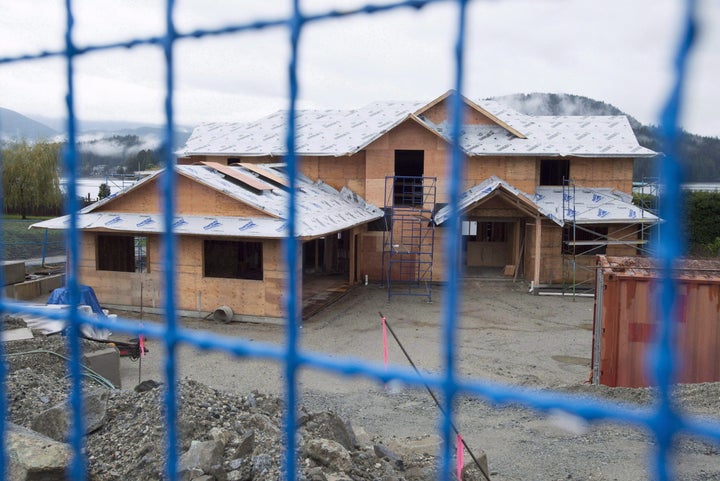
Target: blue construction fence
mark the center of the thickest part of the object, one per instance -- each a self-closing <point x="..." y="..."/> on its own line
<point x="662" y="420"/>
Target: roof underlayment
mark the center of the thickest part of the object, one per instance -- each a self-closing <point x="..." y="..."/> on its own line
<point x="321" y="209"/>
<point x="345" y="132"/>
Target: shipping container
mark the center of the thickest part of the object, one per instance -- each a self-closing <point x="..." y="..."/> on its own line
<point x="625" y="320"/>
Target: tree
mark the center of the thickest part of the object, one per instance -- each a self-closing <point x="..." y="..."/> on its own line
<point x="30" y="177"/>
<point x="104" y="191"/>
<point x="703" y="211"/>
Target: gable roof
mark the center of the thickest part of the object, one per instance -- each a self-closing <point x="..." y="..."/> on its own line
<point x="345" y="132"/>
<point x="488" y="113"/>
<point x="580" y="205"/>
<point x="550" y="136"/>
<point x="321" y="209"/>
<point x="319" y="132"/>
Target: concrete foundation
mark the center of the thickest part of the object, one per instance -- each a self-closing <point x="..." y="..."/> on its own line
<point x="13" y="272"/>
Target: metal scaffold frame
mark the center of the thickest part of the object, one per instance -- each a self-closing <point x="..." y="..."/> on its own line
<point x="409" y="235"/>
<point x="634" y="234"/>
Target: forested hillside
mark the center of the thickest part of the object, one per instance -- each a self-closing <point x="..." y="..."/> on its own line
<point x="700" y="154"/>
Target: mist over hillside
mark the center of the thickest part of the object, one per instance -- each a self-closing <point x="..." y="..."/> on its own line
<point x="104" y="147"/>
<point x="700" y="154"/>
<point x="15" y="126"/>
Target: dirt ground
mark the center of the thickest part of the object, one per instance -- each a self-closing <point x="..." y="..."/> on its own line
<point x="505" y="335"/>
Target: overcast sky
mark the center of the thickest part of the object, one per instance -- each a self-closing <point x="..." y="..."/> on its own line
<point x="617" y="51"/>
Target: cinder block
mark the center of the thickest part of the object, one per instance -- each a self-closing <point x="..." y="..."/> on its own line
<point x="50" y="283"/>
<point x="105" y="362"/>
<point x="26" y="291"/>
<point x="13" y="272"/>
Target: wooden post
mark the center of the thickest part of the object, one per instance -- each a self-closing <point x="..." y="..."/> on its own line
<point x="351" y="256"/>
<point x="538" y="250"/>
<point x="317" y="255"/>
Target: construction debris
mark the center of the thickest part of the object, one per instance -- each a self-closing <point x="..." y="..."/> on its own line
<point x="221" y="437"/>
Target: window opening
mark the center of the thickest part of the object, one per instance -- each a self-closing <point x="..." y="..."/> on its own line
<point x="409" y="171"/>
<point x="553" y="171"/>
<point x="233" y="259"/>
<point x="122" y="253"/>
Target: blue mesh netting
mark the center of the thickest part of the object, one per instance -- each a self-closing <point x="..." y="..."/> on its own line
<point x="662" y="420"/>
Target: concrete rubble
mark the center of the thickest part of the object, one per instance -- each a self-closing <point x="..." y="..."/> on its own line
<point x="222" y="437"/>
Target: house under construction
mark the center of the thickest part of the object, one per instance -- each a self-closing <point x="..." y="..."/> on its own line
<point x="543" y="194"/>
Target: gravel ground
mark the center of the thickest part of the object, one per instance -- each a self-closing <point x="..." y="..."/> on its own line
<point x="506" y="336"/>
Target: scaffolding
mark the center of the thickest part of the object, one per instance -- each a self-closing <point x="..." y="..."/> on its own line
<point x="649" y="201"/>
<point x="575" y="240"/>
<point x="409" y="235"/>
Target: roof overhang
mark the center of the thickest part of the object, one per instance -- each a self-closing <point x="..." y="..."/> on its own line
<point x="582" y="206"/>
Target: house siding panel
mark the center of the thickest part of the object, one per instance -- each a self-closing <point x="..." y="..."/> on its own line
<point x="194" y="291"/>
<point x="439" y="113"/>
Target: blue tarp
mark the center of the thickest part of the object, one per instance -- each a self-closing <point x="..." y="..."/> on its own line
<point x="61" y="295"/>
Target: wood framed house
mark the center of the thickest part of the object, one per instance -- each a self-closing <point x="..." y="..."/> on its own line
<point x="542" y="193"/>
<point x="230" y="224"/>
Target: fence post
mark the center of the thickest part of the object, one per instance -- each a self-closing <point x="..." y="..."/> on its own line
<point x="44" y="247"/>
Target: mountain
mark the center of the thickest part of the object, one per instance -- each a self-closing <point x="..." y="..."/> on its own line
<point x="701" y="155"/>
<point x="104" y="147"/>
<point x="15" y="126"/>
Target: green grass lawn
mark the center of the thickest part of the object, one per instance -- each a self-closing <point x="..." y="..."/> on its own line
<point x="21" y="243"/>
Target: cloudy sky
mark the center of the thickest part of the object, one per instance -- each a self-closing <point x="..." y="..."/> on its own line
<point x="617" y="51"/>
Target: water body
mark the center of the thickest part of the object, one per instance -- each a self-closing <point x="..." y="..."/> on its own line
<point x="653" y="189"/>
<point x="88" y="187"/>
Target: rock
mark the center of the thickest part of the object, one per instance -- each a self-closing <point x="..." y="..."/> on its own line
<point x="383" y="452"/>
<point x="261" y="465"/>
<point x="471" y="472"/>
<point x="219" y="434"/>
<point x="201" y="455"/>
<point x="316" y="474"/>
<point x="421" y="473"/>
<point x="204" y="477"/>
<point x="335" y="428"/>
<point x="32" y="456"/>
<point x="147" y="385"/>
<point x="247" y="443"/>
<point x="190" y="474"/>
<point x="55" y="422"/>
<point x="217" y="473"/>
<point x="329" y="453"/>
<point x="261" y="422"/>
<point x="362" y="437"/>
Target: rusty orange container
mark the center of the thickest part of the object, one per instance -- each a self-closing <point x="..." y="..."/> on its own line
<point x="625" y="321"/>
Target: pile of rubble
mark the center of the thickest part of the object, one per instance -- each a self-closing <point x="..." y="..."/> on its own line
<point x="221" y="437"/>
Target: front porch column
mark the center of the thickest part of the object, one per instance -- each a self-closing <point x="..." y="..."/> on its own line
<point x="538" y="250"/>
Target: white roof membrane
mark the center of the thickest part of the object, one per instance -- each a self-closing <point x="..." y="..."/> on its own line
<point x="321" y="210"/>
<point x="580" y="205"/>
<point x="344" y="132"/>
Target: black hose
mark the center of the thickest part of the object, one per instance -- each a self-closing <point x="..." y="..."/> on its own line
<point x="432" y="395"/>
